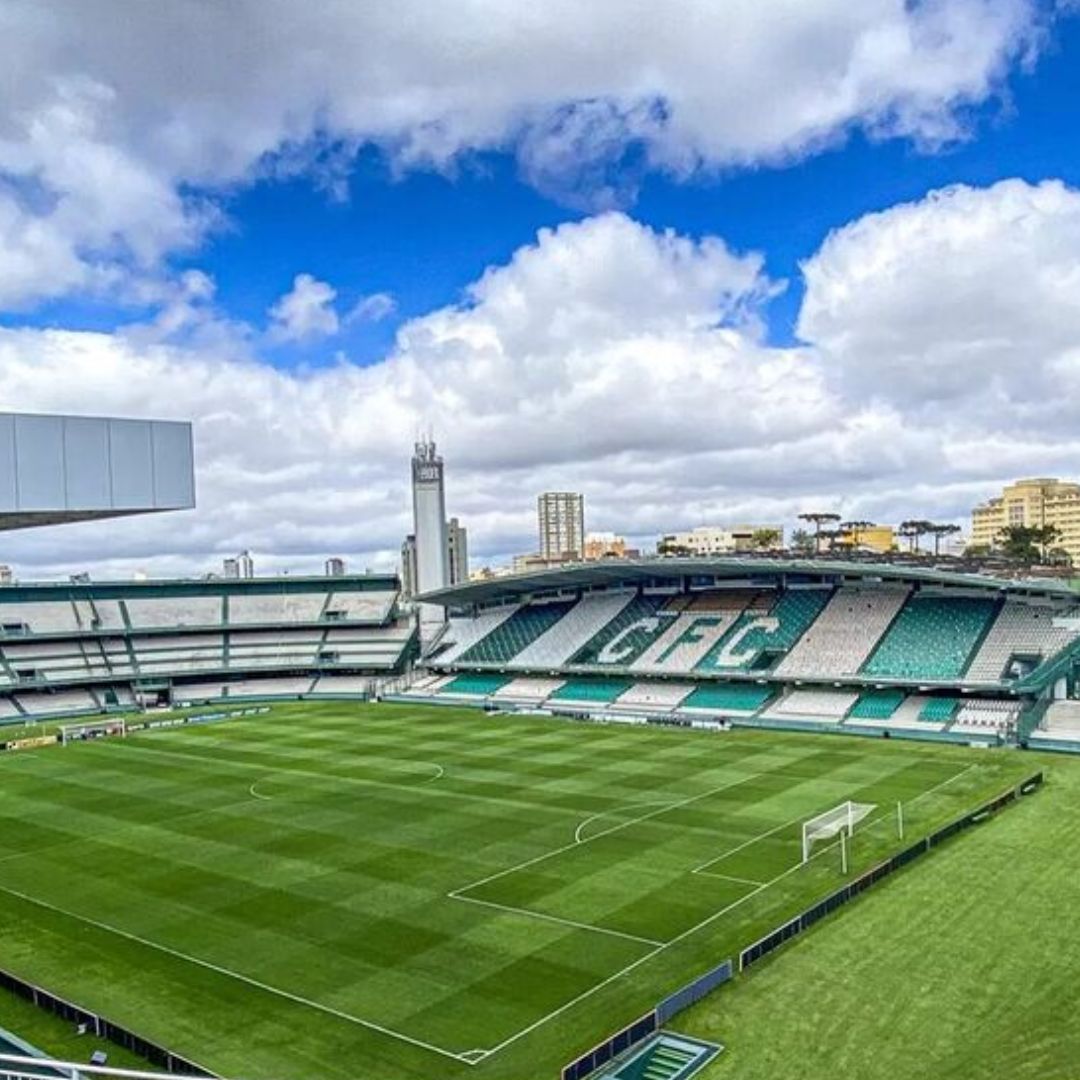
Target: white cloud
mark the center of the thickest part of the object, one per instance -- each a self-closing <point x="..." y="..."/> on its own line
<point x="372" y="308"/>
<point x="624" y="362"/>
<point x="960" y="308"/>
<point x="111" y="116"/>
<point x="305" y="311"/>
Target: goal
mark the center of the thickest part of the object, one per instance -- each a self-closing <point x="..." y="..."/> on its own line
<point x="95" y="729"/>
<point x="840" y="820"/>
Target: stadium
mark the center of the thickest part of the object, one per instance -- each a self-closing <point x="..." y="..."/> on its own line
<point x="581" y="822"/>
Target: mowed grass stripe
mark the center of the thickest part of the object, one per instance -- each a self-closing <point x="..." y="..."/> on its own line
<point x="336" y="890"/>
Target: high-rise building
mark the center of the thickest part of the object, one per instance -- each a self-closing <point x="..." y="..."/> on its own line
<point x="561" y="519"/>
<point x="1033" y="503"/>
<point x="335" y="567"/>
<point x="230" y="568"/>
<point x="6" y="576"/>
<point x="457" y="558"/>
<point x="457" y="551"/>
<point x="429" y="527"/>
<point x="246" y="564"/>
<point x="408" y="567"/>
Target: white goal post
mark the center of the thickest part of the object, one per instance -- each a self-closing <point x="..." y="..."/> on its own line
<point x="92" y="729"/>
<point x="840" y="820"/>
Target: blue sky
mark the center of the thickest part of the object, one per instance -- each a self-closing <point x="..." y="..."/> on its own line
<point x="423" y="236"/>
<point x="315" y="236"/>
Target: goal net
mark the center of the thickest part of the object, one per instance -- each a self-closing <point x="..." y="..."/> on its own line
<point x="840" y="819"/>
<point x="95" y="729"/>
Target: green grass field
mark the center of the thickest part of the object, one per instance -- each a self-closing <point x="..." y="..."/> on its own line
<point x="391" y="891"/>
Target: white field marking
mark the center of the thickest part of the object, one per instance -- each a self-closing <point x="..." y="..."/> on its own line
<point x="605" y="832"/>
<point x="195" y="760"/>
<point x="554" y="919"/>
<point x="729" y="877"/>
<point x="438" y="774"/>
<point x="634" y="964"/>
<point x="703" y="868"/>
<point x="614" y="810"/>
<point x="218" y="969"/>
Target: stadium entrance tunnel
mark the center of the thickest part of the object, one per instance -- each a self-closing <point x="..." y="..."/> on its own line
<point x="664" y="1057"/>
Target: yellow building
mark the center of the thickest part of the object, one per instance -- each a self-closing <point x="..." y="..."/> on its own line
<point x="879" y="538"/>
<point x="1035" y="503"/>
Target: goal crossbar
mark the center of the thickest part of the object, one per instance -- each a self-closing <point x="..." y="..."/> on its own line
<point x="93" y="729"/>
<point x="840" y="819"/>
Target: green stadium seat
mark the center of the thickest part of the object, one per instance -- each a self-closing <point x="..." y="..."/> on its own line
<point x="513" y="635"/>
<point x="939" y="710"/>
<point x="599" y="690"/>
<point x="737" y="697"/>
<point x="755" y="632"/>
<point x="477" y="685"/>
<point x="933" y="637"/>
<point x="877" y="705"/>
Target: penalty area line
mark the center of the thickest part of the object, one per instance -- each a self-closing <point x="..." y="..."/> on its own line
<point x="276" y="991"/>
<point x="543" y="917"/>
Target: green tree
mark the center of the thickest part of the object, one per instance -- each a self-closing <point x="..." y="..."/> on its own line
<point x="1027" y="543"/>
<point x="802" y="542"/>
<point x="762" y="539"/>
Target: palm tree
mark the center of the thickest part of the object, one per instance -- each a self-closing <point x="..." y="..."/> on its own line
<point x="855" y="530"/>
<point x="938" y="531"/>
<point x="817" y="519"/>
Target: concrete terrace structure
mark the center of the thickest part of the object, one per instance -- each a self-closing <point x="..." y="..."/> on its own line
<point x="86" y="647"/>
<point x="59" y="469"/>
<point x="852" y="646"/>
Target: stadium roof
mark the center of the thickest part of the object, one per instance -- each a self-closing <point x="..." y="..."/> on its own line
<point x="638" y="571"/>
<point x="60" y="469"/>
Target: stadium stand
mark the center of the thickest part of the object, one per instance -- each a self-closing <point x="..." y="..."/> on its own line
<point x="665" y="696"/>
<point x="737" y="698"/>
<point x="478" y="685"/>
<point x="590" y="691"/>
<point x="1021" y="630"/>
<point x="932" y="638"/>
<point x="877" y="705"/>
<point x="1061" y="722"/>
<point x="557" y="644"/>
<point x="756" y="636"/>
<point x="627" y="635"/>
<point x="77" y="647"/>
<point x="513" y="635"/>
<point x="982" y="715"/>
<point x="686" y="640"/>
<point x="527" y="690"/>
<point x="463" y="634"/>
<point x="938" y="710"/>
<point x="820" y="706"/>
<point x="840" y="639"/>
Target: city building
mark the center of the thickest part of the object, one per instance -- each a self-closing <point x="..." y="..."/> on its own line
<point x="561" y="521"/>
<point x="605" y="545"/>
<point x="722" y="540"/>
<point x="246" y="564"/>
<point x="878" y="538"/>
<point x="335" y="567"/>
<point x="1034" y="503"/>
<point x="6" y="576"/>
<point x="457" y="551"/>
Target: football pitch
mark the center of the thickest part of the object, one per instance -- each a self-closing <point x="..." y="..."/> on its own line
<point x="403" y="891"/>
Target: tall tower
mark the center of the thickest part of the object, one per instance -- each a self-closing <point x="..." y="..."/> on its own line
<point x="429" y="527"/>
